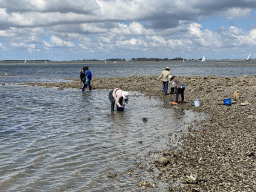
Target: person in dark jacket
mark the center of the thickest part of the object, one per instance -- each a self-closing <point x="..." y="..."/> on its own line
<point x="83" y="78"/>
<point x="119" y="97"/>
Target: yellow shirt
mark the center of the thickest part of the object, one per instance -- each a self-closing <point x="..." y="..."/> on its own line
<point x="164" y="75"/>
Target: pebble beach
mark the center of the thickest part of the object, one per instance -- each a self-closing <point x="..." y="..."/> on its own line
<point x="220" y="156"/>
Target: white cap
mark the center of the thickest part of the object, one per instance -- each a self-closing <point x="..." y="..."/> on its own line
<point x="125" y="94"/>
<point x="170" y="77"/>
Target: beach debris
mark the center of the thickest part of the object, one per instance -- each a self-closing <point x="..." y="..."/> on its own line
<point x="112" y="175"/>
<point x="89" y="119"/>
<point x="140" y="142"/>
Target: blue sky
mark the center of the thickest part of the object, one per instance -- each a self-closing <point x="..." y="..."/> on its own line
<point x="102" y="29"/>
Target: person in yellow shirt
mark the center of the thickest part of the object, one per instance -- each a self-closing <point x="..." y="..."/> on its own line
<point x="165" y="79"/>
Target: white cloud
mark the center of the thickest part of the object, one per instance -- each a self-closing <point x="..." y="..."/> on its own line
<point x="112" y="25"/>
<point x="133" y="28"/>
<point x="61" y="43"/>
<point x="82" y="46"/>
<point x="237" y="12"/>
<point x="23" y="45"/>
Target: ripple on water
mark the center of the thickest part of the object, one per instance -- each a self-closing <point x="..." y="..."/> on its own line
<point x="61" y="140"/>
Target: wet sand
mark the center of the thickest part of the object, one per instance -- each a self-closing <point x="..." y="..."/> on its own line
<point x="218" y="157"/>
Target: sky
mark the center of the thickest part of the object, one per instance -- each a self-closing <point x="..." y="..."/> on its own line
<point x="103" y="29"/>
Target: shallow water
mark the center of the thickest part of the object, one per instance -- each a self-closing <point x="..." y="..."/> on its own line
<point x="57" y="140"/>
<point x="54" y="140"/>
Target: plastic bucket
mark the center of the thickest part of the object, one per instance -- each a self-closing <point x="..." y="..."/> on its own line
<point x="197" y="103"/>
<point x="227" y="101"/>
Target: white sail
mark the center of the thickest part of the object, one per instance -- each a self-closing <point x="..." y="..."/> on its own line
<point x="183" y="60"/>
<point x="45" y="61"/>
<point x="25" y="61"/>
<point x="203" y="59"/>
<point x="249" y="57"/>
<point x="105" y="61"/>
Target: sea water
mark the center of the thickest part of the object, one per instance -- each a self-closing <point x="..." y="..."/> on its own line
<point x="66" y="140"/>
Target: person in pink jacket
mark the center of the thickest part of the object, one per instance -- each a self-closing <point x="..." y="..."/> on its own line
<point x="119" y="97"/>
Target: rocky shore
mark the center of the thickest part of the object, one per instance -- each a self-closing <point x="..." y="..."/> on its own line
<point x="221" y="156"/>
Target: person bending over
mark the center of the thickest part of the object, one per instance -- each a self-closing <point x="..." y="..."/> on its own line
<point x="180" y="88"/>
<point x="119" y="97"/>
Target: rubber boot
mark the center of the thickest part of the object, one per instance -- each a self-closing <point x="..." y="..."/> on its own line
<point x="90" y="87"/>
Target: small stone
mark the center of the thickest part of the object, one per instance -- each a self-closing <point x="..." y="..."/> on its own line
<point x="162" y="161"/>
<point x="111" y="175"/>
<point x="130" y="171"/>
<point x="143" y="184"/>
<point x="145" y="119"/>
<point x="219" y="103"/>
<point x="245" y="103"/>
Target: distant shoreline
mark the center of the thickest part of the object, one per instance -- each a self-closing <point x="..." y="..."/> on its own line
<point x="253" y="61"/>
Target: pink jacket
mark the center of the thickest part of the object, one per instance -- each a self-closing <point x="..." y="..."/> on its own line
<point x="117" y="94"/>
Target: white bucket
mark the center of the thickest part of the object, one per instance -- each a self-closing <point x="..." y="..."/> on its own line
<point x="197" y="103"/>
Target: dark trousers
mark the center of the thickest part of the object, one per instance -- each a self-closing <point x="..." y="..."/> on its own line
<point x="180" y="91"/>
<point x="172" y="90"/>
<point x="87" y="83"/>
<point x="165" y="87"/>
<point x="112" y="100"/>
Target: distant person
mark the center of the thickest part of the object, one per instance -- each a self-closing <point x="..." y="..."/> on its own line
<point x="165" y="79"/>
<point x="88" y="79"/>
<point x="119" y="97"/>
<point x="180" y="88"/>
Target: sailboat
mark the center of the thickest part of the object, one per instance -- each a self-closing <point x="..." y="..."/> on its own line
<point x="105" y="61"/>
<point x="183" y="60"/>
<point x="25" y="61"/>
<point x="203" y="59"/>
<point x="45" y="61"/>
<point x="249" y="57"/>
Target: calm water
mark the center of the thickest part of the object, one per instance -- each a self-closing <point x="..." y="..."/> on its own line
<point x="65" y="140"/>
